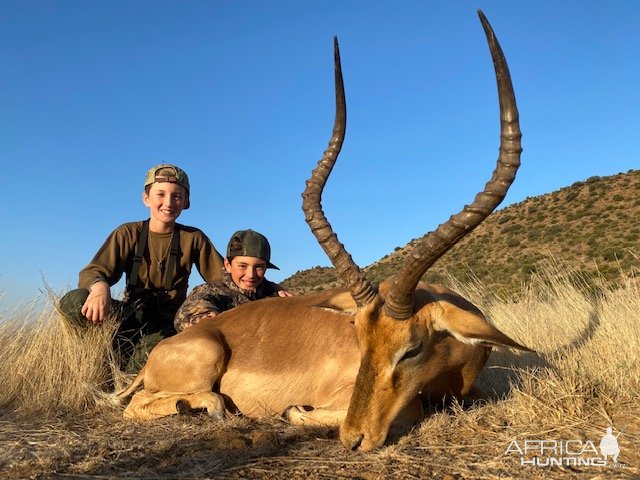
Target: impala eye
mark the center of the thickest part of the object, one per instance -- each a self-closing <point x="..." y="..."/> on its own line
<point x="412" y="352"/>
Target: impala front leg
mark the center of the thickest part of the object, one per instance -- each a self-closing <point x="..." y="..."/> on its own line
<point x="306" y="415"/>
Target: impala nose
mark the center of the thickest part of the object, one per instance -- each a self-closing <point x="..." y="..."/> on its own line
<point x="353" y="443"/>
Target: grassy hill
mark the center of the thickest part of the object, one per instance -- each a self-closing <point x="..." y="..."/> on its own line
<point x="592" y="225"/>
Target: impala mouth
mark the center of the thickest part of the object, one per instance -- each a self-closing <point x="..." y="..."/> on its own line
<point x="355" y="443"/>
<point x="361" y="443"/>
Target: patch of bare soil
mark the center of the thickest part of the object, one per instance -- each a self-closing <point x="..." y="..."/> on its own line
<point x="100" y="444"/>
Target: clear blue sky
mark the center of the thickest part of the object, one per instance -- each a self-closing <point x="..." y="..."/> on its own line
<point x="240" y="95"/>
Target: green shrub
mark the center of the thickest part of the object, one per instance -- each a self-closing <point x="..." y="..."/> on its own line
<point x="513" y="242"/>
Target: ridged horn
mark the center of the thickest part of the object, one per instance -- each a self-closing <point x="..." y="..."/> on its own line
<point x="399" y="301"/>
<point x="356" y="283"/>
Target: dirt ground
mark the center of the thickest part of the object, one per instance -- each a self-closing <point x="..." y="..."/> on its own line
<point x="101" y="445"/>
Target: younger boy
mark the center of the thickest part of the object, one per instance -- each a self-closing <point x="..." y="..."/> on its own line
<point x="156" y="256"/>
<point x="248" y="257"/>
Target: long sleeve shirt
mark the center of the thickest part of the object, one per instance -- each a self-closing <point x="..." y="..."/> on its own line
<point x="116" y="255"/>
<point x="220" y="296"/>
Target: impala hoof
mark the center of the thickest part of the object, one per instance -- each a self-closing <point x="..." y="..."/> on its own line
<point x="286" y="415"/>
<point x="294" y="413"/>
<point x="216" y="415"/>
<point x="183" y="408"/>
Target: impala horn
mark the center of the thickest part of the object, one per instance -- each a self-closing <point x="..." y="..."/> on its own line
<point x="399" y="301"/>
<point x="359" y="287"/>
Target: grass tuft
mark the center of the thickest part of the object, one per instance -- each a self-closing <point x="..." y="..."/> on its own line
<point x="50" y="367"/>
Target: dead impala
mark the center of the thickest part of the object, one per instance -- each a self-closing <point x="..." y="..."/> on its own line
<point x="359" y="357"/>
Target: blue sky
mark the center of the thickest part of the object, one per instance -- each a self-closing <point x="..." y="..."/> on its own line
<point x="240" y="95"/>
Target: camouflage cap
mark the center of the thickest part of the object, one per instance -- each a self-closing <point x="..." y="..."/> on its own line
<point x="165" y="172"/>
<point x="250" y="243"/>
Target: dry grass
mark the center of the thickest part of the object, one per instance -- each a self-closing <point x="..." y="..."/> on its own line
<point x="50" y="367"/>
<point x="584" y="378"/>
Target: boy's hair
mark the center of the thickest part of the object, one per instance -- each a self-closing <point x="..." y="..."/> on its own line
<point x="250" y="243"/>
<point x="165" y="172"/>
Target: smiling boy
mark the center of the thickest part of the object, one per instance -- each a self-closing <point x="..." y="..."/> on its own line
<point x="246" y="263"/>
<point x="156" y="257"/>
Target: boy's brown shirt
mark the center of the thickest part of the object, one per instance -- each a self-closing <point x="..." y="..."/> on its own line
<point x="116" y="255"/>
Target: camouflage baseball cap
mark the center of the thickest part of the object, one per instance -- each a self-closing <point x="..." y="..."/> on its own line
<point x="165" y="172"/>
<point x="250" y="243"/>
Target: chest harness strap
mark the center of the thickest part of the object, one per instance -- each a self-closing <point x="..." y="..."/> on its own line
<point x="141" y="248"/>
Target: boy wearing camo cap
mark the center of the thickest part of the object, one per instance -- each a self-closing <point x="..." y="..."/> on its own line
<point x="156" y="256"/>
<point x="248" y="257"/>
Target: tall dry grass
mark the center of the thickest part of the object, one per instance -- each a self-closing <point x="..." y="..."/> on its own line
<point x="49" y="367"/>
<point x="586" y="335"/>
<point x="584" y="376"/>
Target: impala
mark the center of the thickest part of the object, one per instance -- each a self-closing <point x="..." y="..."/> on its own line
<point x="360" y="357"/>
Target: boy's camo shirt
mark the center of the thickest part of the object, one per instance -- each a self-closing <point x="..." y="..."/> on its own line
<point x="218" y="297"/>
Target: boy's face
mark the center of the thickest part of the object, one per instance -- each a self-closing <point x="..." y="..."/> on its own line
<point x="165" y="201"/>
<point x="246" y="272"/>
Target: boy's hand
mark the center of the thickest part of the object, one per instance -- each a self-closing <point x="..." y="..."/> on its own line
<point x="197" y="319"/>
<point x="284" y="293"/>
<point x="98" y="303"/>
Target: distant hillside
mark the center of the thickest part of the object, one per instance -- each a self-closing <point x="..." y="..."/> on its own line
<point x="593" y="225"/>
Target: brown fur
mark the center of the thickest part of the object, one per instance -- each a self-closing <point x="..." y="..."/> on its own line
<point x="302" y="352"/>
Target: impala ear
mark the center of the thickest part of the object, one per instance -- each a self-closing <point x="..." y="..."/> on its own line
<point x="341" y="302"/>
<point x="472" y="329"/>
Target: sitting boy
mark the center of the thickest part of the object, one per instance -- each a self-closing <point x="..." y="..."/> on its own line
<point x="156" y="255"/>
<point x="248" y="257"/>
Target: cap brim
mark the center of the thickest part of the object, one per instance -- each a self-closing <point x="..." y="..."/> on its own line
<point x="271" y="265"/>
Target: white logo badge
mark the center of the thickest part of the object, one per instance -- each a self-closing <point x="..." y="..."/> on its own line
<point x="562" y="453"/>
